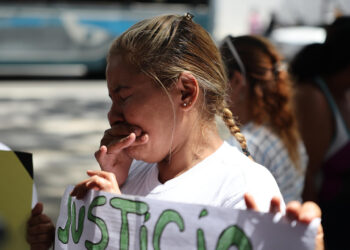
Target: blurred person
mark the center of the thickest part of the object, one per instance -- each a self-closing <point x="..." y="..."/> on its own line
<point x="167" y="82"/>
<point x="322" y="75"/>
<point x="18" y="170"/>
<point x="261" y="98"/>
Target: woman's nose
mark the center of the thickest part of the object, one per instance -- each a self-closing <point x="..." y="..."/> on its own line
<point x="115" y="115"/>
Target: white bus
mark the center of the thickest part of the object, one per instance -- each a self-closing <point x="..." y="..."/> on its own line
<point x="60" y="38"/>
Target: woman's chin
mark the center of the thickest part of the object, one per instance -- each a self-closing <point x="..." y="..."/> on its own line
<point x="140" y="153"/>
<point x="137" y="152"/>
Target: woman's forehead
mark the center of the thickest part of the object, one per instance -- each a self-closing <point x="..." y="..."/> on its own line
<point x="117" y="65"/>
<point x="119" y="61"/>
<point x="122" y="74"/>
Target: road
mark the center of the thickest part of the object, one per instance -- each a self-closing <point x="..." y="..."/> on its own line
<point x="61" y="123"/>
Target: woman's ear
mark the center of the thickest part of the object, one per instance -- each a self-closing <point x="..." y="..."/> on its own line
<point x="237" y="80"/>
<point x="238" y="87"/>
<point x="189" y="89"/>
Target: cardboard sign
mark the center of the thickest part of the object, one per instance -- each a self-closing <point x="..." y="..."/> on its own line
<point x="106" y="221"/>
<point x="16" y="186"/>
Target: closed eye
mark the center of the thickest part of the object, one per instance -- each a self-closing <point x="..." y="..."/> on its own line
<point x="123" y="92"/>
<point x="124" y="95"/>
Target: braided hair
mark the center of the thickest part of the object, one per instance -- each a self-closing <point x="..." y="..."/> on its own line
<point x="165" y="46"/>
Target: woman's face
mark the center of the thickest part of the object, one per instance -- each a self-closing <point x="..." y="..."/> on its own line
<point x="137" y="101"/>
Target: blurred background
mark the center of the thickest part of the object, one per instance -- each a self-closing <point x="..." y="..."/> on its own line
<point x="53" y="98"/>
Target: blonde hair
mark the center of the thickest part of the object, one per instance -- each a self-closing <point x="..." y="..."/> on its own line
<point x="165" y="46"/>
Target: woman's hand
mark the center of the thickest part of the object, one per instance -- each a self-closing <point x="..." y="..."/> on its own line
<point x="99" y="180"/>
<point x="303" y="213"/>
<point x="40" y="229"/>
<point x="112" y="156"/>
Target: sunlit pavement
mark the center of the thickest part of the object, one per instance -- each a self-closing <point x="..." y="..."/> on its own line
<point x="61" y="123"/>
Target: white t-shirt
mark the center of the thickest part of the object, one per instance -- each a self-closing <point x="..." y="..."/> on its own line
<point x="221" y="180"/>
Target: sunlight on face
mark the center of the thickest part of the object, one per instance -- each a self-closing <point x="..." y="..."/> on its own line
<point x="138" y="101"/>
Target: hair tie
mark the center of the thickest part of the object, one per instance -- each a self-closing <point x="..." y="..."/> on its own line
<point x="246" y="152"/>
<point x="189" y="16"/>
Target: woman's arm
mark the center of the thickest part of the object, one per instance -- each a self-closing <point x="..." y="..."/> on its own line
<point x="316" y="128"/>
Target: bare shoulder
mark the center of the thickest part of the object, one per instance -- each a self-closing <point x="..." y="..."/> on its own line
<point x="315" y="120"/>
<point x="310" y="97"/>
<point x="312" y="106"/>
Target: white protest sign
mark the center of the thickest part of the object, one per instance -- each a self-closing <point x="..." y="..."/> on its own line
<point x="107" y="221"/>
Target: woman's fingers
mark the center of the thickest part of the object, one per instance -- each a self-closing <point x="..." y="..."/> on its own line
<point x="115" y="146"/>
<point x="40" y="229"/>
<point x="99" y="180"/>
<point x="250" y="202"/>
<point x="41" y="233"/>
<point x="38" y="219"/>
<point x="101" y="154"/>
<point x="275" y="205"/>
<point x="103" y="174"/>
<point x="125" y="142"/>
<point x="142" y="139"/>
<point x="122" y="129"/>
<point x="118" y="131"/>
<point x="309" y="211"/>
<point x="305" y="213"/>
<point x="80" y="189"/>
<point x="130" y="140"/>
<point x="118" y="163"/>
<point x="102" y="180"/>
<point x="38" y="209"/>
<point x="293" y="210"/>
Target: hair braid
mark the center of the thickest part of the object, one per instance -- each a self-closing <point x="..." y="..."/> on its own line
<point x="149" y="44"/>
<point x="229" y="120"/>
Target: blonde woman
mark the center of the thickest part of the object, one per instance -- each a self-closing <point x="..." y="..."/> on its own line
<point x="166" y="82"/>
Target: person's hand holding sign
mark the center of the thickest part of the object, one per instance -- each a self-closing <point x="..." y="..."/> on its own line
<point x="40" y="229"/>
<point x="303" y="213"/>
